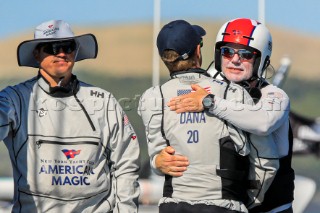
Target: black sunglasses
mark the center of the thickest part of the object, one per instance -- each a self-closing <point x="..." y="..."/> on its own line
<point x="201" y="43"/>
<point x="53" y="48"/>
<point x="244" y="54"/>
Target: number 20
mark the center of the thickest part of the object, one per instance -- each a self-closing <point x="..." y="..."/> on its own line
<point x="193" y="136"/>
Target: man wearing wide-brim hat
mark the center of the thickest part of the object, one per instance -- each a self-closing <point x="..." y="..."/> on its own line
<point x="49" y="37"/>
<point x="71" y="145"/>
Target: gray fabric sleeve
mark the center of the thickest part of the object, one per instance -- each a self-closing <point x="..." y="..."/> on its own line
<point x="263" y="153"/>
<point x="264" y="164"/>
<point x="260" y="119"/>
<point x="125" y="153"/>
<point x="8" y="116"/>
<point x="150" y="110"/>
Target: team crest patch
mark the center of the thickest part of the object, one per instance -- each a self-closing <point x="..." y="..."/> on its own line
<point x="41" y="112"/>
<point x="70" y="153"/>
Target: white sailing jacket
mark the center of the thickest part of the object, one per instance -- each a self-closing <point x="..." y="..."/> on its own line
<point x="267" y="120"/>
<point x="71" y="151"/>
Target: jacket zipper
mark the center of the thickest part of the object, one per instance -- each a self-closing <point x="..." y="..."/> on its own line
<point x="40" y="142"/>
<point x="85" y="112"/>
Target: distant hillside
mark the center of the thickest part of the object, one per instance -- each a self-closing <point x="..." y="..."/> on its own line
<point x="126" y="50"/>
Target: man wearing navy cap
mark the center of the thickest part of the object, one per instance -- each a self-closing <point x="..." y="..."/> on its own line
<point x="217" y="153"/>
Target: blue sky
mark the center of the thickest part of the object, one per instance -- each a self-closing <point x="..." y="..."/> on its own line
<point x="24" y="15"/>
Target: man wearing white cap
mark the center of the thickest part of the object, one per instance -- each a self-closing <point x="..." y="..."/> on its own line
<point x="242" y="55"/>
<point x="71" y="145"/>
<point x="219" y="157"/>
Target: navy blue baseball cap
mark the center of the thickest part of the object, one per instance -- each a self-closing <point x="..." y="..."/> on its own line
<point x="181" y="37"/>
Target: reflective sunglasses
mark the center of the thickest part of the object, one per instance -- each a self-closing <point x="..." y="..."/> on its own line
<point x="243" y="54"/>
<point x="53" y="48"/>
<point x="201" y="43"/>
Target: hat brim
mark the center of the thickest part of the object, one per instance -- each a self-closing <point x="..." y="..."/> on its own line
<point x="199" y="30"/>
<point x="88" y="48"/>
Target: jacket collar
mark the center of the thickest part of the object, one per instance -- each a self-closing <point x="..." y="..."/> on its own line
<point x="189" y="71"/>
<point x="59" y="91"/>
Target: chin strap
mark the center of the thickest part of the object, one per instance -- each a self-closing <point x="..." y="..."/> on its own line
<point x="209" y="65"/>
<point x="60" y="81"/>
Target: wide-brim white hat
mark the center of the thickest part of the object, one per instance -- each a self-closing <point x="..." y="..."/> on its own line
<point x="56" y="30"/>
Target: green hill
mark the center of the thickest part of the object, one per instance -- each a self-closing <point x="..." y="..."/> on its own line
<point x="126" y="50"/>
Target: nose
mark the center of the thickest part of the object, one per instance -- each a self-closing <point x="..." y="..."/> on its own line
<point x="236" y="58"/>
<point x="61" y="51"/>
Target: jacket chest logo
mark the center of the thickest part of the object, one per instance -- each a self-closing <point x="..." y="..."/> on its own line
<point x="70" y="153"/>
<point x="41" y="112"/>
<point x="97" y="94"/>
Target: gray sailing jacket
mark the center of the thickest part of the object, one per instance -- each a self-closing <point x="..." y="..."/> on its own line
<point x="267" y="120"/>
<point x="71" y="151"/>
<point x="207" y="141"/>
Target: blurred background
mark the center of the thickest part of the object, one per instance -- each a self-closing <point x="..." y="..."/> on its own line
<point x="125" y="30"/>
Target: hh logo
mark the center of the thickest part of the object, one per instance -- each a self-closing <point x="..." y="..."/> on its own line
<point x="232" y="89"/>
<point x="70" y="153"/>
<point x="97" y="94"/>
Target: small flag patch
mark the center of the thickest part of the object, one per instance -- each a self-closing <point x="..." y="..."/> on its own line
<point x="187" y="91"/>
<point x="70" y="153"/>
<point x="126" y="120"/>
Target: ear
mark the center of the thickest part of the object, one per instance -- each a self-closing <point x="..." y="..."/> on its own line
<point x="198" y="51"/>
